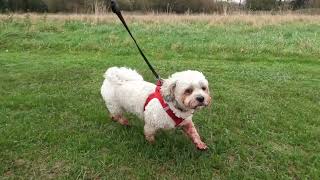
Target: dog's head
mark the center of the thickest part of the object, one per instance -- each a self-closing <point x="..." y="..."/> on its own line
<point x="187" y="90"/>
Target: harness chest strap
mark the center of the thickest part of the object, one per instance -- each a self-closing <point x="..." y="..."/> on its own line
<point x="156" y="94"/>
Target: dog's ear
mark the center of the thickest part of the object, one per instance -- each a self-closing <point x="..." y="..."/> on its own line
<point x="167" y="89"/>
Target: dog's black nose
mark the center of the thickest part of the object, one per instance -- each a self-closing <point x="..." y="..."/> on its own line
<point x="200" y="98"/>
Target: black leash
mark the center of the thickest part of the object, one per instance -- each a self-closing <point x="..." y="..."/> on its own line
<point x="115" y="9"/>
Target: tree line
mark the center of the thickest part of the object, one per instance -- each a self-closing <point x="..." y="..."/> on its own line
<point x="174" y="6"/>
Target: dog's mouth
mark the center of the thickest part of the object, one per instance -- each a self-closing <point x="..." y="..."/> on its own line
<point x="200" y="105"/>
<point x="195" y="105"/>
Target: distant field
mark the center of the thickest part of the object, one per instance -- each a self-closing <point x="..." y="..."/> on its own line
<point x="264" y="74"/>
<point x="255" y="20"/>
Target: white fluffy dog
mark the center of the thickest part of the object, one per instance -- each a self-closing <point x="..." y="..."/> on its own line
<point x="184" y="92"/>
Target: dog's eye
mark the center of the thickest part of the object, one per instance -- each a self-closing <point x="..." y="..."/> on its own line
<point x="188" y="91"/>
<point x="204" y="88"/>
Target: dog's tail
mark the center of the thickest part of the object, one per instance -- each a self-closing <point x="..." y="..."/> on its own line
<point x="120" y="75"/>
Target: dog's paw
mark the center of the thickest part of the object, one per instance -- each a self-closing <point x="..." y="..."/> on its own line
<point x="201" y="146"/>
<point x="150" y="139"/>
<point x="121" y="120"/>
<point x="124" y="122"/>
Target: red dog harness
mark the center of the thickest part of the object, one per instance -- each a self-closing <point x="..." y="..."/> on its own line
<point x="164" y="105"/>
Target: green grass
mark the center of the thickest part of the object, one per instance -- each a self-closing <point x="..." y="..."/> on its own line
<point x="263" y="124"/>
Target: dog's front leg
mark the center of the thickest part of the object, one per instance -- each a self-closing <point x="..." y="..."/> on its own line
<point x="191" y="131"/>
<point x="149" y="133"/>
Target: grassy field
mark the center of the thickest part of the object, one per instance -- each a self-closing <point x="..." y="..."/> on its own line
<point x="264" y="73"/>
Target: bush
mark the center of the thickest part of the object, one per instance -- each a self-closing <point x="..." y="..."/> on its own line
<point x="264" y="5"/>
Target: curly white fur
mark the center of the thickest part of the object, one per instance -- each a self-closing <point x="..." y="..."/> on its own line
<point x="124" y="90"/>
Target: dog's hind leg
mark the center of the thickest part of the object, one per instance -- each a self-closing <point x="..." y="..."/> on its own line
<point x="120" y="119"/>
<point x="116" y="111"/>
<point x="116" y="114"/>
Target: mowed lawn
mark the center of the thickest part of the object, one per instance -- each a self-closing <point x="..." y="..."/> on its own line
<point x="264" y="75"/>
